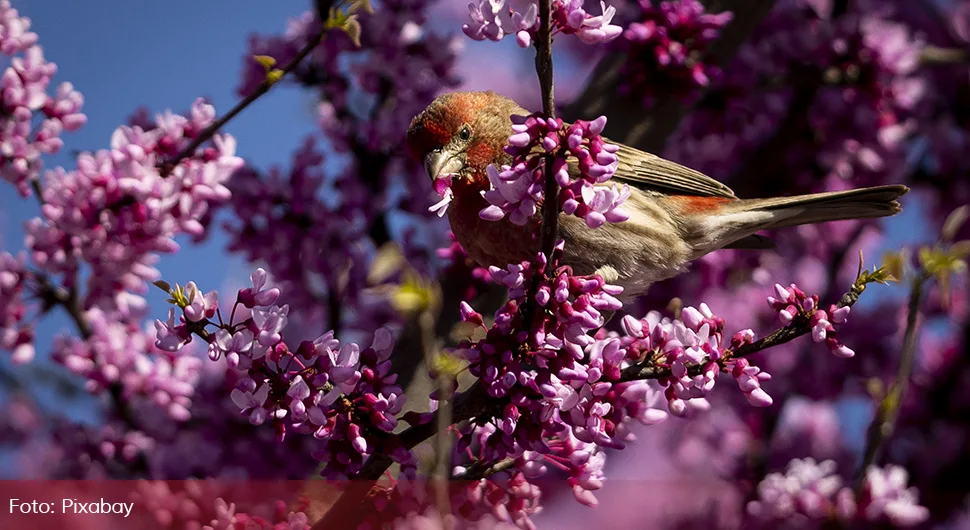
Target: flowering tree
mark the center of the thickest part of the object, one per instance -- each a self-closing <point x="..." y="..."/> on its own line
<point x="358" y="293"/>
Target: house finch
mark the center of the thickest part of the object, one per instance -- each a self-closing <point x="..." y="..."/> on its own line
<point x="676" y="214"/>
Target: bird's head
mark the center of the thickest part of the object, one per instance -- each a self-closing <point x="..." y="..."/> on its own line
<point x="462" y="133"/>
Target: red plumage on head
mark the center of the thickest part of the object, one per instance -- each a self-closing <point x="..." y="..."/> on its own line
<point x="438" y="123"/>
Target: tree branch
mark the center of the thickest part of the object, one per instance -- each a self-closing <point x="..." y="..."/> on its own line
<point x="263" y="88"/>
<point x="550" y="206"/>
<point x="799" y="326"/>
<point x="888" y="412"/>
<point x="68" y="299"/>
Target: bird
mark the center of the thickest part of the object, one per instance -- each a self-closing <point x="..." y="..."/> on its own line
<point x="676" y="214"/>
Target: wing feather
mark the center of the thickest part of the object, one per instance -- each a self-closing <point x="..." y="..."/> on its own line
<point x="646" y="171"/>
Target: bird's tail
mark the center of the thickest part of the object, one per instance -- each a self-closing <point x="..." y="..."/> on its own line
<point x="780" y="212"/>
<point x="863" y="203"/>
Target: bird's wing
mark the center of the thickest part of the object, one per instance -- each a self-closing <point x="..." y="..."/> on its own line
<point x="646" y="171"/>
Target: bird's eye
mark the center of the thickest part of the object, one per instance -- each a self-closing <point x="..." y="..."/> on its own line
<point x="465" y="133"/>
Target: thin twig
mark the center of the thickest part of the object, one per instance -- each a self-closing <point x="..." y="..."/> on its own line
<point x="550" y="207"/>
<point x="479" y="470"/>
<point x="263" y="88"/>
<point x="442" y="467"/>
<point x="68" y="299"/>
<point x="888" y="412"/>
<point x="799" y="326"/>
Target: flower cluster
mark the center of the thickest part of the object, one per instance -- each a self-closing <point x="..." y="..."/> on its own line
<point x="16" y="333"/>
<point x="793" y="302"/>
<point x="568" y="17"/>
<point x="668" y="48"/>
<point x="812" y="491"/>
<point x="24" y="96"/>
<point x="555" y="388"/>
<point x="561" y="395"/>
<point x="118" y="353"/>
<point x="118" y="209"/>
<point x="517" y="189"/>
<point x="694" y="341"/>
<point x="340" y="394"/>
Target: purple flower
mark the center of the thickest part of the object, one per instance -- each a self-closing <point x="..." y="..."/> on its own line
<point x="252" y="403"/>
<point x="516" y="189"/>
<point x="256" y="295"/>
<point x="170" y="336"/>
<point x="813" y="490"/>
<point x="525" y="24"/>
<point x="15" y="34"/>
<point x="344" y="364"/>
<point x="233" y="346"/>
<point x="269" y="322"/>
<point x="749" y="380"/>
<point x="16" y="333"/>
<point x="792" y="301"/>
<point x="485" y="23"/>
<point x="568" y="17"/>
<point x="807" y="487"/>
<point x="200" y="306"/>
<point x="572" y="18"/>
<point x="668" y="48"/>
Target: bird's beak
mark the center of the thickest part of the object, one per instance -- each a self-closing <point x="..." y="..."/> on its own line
<point x="441" y="162"/>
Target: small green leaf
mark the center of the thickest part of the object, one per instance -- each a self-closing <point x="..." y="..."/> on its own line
<point x="895" y="263"/>
<point x="358" y="5"/>
<point x="265" y="60"/>
<point x="961" y="249"/>
<point x="274" y="75"/>
<point x="352" y="27"/>
<point x="445" y="363"/>
<point x="414" y="295"/>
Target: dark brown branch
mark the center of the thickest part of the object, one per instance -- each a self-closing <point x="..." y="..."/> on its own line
<point x="479" y="470"/>
<point x="550" y="207"/>
<point x="52" y="295"/>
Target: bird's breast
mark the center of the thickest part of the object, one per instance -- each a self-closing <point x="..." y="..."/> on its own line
<point x="489" y="243"/>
